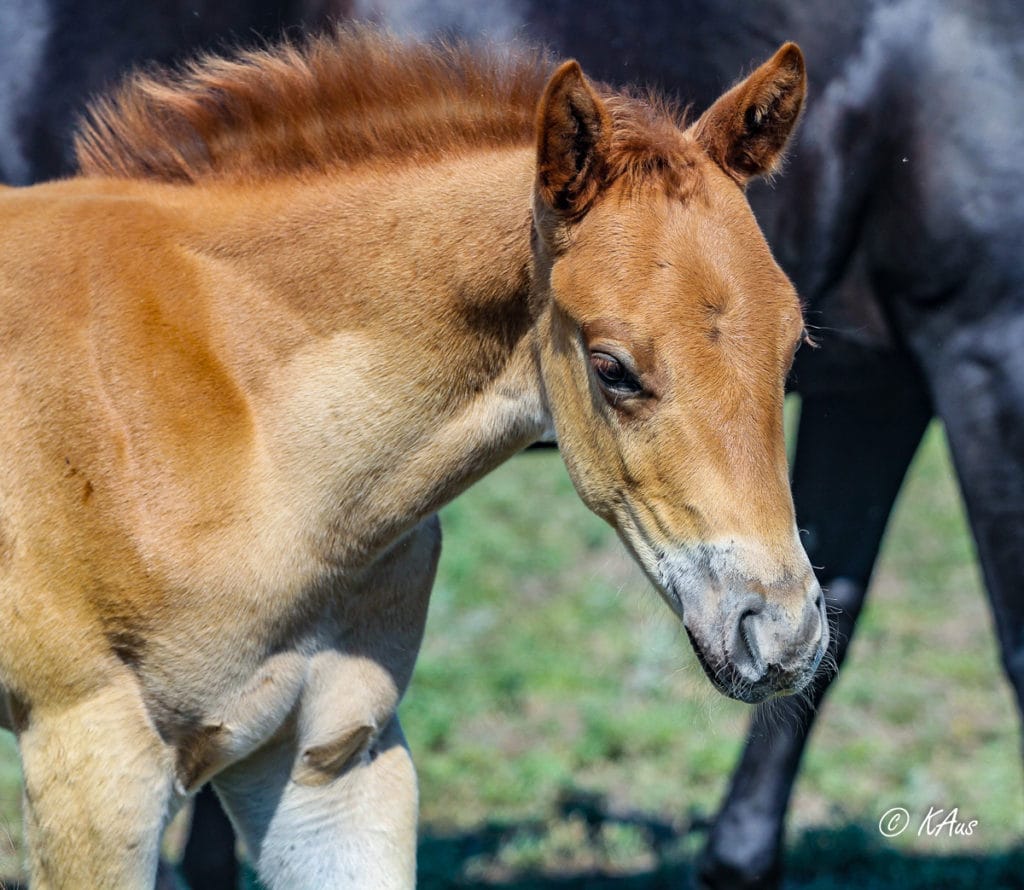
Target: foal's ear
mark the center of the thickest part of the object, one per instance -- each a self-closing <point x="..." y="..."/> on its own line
<point x="573" y="137"/>
<point x="746" y="130"/>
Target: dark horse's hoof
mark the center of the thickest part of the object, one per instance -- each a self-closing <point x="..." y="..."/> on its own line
<point x="717" y="873"/>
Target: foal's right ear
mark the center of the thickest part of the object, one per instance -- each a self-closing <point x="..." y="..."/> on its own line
<point x="573" y="138"/>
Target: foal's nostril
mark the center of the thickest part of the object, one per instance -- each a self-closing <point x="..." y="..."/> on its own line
<point x="748" y="653"/>
<point x="815" y="619"/>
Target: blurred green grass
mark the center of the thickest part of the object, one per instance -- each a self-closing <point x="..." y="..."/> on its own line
<point x="566" y="737"/>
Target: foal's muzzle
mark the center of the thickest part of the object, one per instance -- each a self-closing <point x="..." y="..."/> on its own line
<point x="767" y="652"/>
<point x="754" y="641"/>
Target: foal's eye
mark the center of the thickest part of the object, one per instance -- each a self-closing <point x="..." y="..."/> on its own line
<point x="613" y="374"/>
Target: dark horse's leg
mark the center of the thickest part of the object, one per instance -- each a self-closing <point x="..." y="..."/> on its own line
<point x="978" y="382"/>
<point x="209" y="862"/>
<point x="853" y="449"/>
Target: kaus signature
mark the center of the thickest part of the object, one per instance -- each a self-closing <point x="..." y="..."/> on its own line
<point x="938" y="822"/>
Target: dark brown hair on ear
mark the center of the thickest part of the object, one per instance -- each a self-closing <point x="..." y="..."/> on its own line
<point x="573" y="139"/>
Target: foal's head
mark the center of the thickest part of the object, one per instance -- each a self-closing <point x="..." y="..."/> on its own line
<point x="667" y="333"/>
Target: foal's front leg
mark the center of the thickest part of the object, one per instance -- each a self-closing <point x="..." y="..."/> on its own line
<point x="332" y="803"/>
<point x="99" y="786"/>
<point x="357" y="830"/>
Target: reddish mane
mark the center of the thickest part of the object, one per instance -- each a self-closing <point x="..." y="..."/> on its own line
<point x="352" y="97"/>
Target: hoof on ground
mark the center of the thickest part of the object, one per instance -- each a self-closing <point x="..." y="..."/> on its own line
<point x="715" y="873"/>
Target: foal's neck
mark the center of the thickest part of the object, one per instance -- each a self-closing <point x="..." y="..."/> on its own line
<point x="421" y="375"/>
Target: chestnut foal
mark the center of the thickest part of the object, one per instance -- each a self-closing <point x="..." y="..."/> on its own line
<point x="295" y="302"/>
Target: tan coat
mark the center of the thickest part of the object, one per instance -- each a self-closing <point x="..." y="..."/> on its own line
<point x="245" y="358"/>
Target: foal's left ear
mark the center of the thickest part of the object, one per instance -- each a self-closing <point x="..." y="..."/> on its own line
<point x="746" y="130"/>
<point x="573" y="139"/>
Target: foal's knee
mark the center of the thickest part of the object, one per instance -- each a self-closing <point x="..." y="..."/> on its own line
<point x="356" y="830"/>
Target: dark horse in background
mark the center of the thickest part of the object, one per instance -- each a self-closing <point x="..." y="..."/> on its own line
<point x="898" y="218"/>
<point x="55" y="54"/>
